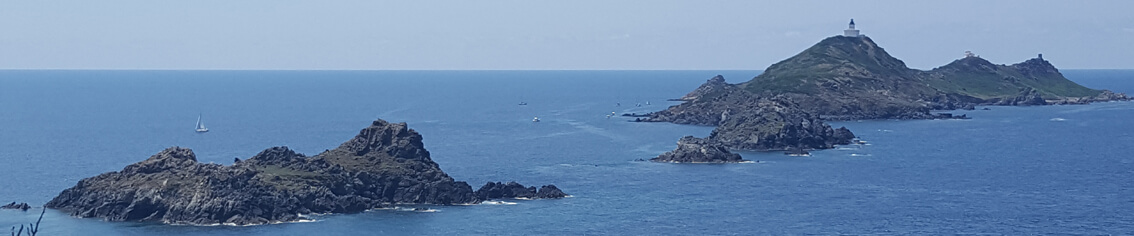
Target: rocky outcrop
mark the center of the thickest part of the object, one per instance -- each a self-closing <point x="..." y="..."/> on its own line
<point x="710" y="88"/>
<point x="497" y="190"/>
<point x="709" y="111"/>
<point x="777" y="125"/>
<point x="953" y="102"/>
<point x="1107" y="95"/>
<point x="384" y="165"/>
<point x="1027" y="97"/>
<point x="1104" y="96"/>
<point x="748" y="122"/>
<point x="23" y="206"/>
<point x="550" y="192"/>
<point x="698" y="150"/>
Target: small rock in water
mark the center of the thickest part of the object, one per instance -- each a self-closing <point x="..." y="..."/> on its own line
<point x="496" y="190"/>
<point x="23" y="206"/>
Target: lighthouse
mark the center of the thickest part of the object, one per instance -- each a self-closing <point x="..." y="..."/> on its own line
<point x="850" y="31"/>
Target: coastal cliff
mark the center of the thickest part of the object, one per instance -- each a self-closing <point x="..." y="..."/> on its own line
<point x="384" y="165"/>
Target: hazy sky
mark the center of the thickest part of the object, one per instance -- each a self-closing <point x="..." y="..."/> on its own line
<point x="458" y="35"/>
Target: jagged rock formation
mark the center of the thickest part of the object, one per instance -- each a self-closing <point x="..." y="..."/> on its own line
<point x="1028" y="97"/>
<point x="496" y="190"/>
<point x="23" y="206"/>
<point x="777" y="125"/>
<point x="698" y="150"/>
<point x="705" y="109"/>
<point x="384" y="165"/>
<point x="711" y="88"/>
<point x="749" y="122"/>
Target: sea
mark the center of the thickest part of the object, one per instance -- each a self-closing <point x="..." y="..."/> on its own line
<point x="1007" y="171"/>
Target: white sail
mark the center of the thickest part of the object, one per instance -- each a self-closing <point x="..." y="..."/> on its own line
<point x="201" y="126"/>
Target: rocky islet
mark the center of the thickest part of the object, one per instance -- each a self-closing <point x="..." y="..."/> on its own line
<point x="385" y="165"/>
<point x="23" y="206"/>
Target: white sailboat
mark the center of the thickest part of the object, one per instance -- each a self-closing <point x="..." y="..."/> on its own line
<point x="201" y="126"/>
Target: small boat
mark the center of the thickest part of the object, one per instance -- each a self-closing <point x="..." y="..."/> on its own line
<point x="201" y="126"/>
<point x="523" y="103"/>
<point x="535" y="119"/>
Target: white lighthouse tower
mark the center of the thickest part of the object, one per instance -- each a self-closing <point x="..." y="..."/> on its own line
<point x="851" y="32"/>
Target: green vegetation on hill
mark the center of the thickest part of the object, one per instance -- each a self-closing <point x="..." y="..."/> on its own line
<point x="834" y="63"/>
<point x="979" y="78"/>
<point x="854" y="78"/>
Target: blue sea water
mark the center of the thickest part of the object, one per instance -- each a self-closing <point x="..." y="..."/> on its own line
<point x="1009" y="170"/>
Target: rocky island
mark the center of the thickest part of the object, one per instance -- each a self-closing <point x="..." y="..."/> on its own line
<point x="23" y="206"/>
<point x="514" y="190"/>
<point x="744" y="122"/>
<point x="852" y="78"/>
<point x="386" y="164"/>
<point x="698" y="150"/>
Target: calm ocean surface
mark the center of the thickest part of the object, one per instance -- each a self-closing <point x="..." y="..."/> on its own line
<point x="1009" y="170"/>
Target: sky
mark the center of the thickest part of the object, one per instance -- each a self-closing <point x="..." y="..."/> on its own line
<point x="546" y="35"/>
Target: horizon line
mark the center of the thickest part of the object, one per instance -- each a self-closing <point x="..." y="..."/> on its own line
<point x="166" y="69"/>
